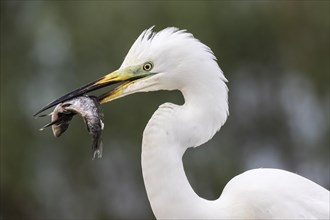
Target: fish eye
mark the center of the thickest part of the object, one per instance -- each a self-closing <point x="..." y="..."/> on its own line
<point x="147" y="66"/>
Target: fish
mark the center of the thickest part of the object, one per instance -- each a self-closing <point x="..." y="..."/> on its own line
<point x="86" y="107"/>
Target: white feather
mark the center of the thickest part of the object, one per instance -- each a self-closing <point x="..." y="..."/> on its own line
<point x="184" y="63"/>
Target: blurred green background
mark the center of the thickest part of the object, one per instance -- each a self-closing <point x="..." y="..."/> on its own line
<point x="275" y="55"/>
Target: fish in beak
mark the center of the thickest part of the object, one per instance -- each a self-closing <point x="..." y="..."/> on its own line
<point x="123" y="77"/>
<point x="78" y="102"/>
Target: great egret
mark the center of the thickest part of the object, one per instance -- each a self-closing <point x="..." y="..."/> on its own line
<point x="173" y="59"/>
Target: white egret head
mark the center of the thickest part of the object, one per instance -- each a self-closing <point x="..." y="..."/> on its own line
<point x="168" y="60"/>
<point x="171" y="59"/>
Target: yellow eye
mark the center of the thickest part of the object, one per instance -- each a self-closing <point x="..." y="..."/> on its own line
<point x="147" y="66"/>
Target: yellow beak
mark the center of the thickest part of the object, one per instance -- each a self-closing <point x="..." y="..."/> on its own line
<point x="125" y="76"/>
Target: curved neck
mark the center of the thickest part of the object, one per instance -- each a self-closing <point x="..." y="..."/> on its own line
<point x="168" y="189"/>
<point x="170" y="131"/>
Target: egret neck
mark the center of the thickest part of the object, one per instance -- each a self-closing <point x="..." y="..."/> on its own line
<point x="166" y="138"/>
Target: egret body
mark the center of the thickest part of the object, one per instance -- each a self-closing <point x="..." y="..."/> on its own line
<point x="173" y="59"/>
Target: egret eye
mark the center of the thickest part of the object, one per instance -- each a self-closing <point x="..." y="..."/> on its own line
<point x="147" y="66"/>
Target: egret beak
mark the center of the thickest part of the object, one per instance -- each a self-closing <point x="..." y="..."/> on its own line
<point x="127" y="76"/>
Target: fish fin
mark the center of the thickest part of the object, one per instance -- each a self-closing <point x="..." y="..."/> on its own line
<point x="102" y="124"/>
<point x="44" y="115"/>
<point x="49" y="124"/>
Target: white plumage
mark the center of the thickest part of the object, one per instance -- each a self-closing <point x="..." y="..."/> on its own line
<point x="183" y="63"/>
<point x="173" y="59"/>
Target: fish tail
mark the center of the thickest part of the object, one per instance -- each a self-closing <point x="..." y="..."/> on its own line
<point x="97" y="147"/>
